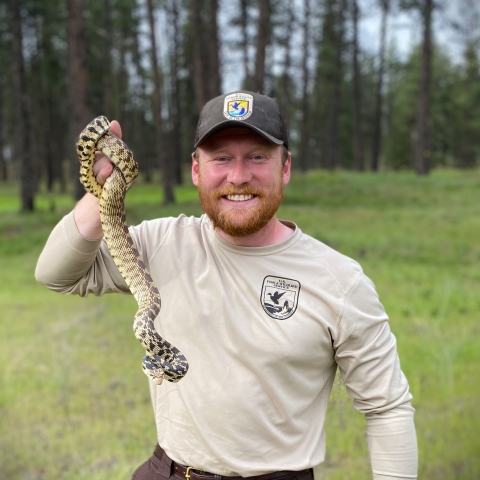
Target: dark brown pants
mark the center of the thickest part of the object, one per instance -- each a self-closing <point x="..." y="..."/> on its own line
<point x="161" y="467"/>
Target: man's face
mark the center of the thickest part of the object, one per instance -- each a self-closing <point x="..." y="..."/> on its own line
<point x="240" y="179"/>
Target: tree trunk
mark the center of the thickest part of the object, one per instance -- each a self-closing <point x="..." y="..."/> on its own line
<point x="247" y="79"/>
<point x="263" y="39"/>
<point x="139" y="132"/>
<point x="284" y="81"/>
<point x="77" y="72"/>
<point x="175" y="96"/>
<point x="377" y="133"/>
<point x="23" y="127"/>
<point x="47" y="138"/>
<point x="51" y="152"/>
<point x="214" y="64"/>
<point x="422" y="143"/>
<point x="122" y="101"/>
<point x="304" y="126"/>
<point x="206" y="50"/>
<point x="357" y="97"/>
<point x="201" y="89"/>
<point x="3" y="165"/>
<point x="108" y="75"/>
<point x="468" y="141"/>
<point x="157" y="109"/>
<point x="333" y="158"/>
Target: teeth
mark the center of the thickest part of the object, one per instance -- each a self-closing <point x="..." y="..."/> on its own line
<point x="239" y="198"/>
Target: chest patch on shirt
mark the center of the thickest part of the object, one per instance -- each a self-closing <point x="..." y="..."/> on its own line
<point x="279" y="297"/>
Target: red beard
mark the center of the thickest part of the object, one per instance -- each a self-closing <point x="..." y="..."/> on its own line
<point x="240" y="221"/>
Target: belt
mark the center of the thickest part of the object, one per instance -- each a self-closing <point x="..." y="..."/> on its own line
<point x="191" y="473"/>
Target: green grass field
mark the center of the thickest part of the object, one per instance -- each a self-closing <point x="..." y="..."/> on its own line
<point x="74" y="403"/>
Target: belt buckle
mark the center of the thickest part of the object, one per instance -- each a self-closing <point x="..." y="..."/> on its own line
<point x="187" y="473"/>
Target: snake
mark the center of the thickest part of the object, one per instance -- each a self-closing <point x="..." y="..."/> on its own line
<point x="162" y="359"/>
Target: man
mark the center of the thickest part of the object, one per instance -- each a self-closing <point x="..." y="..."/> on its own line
<point x="263" y="312"/>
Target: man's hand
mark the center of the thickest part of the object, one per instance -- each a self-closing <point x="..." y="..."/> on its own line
<point x="103" y="167"/>
<point x="87" y="211"/>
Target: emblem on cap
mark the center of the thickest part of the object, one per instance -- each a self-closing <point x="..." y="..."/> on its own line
<point x="238" y="106"/>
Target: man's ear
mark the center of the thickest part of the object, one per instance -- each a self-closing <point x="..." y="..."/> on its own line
<point x="195" y="167"/>
<point x="286" y="169"/>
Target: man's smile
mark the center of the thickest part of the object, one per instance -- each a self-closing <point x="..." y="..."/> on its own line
<point x="239" y="197"/>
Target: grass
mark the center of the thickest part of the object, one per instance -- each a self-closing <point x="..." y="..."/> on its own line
<point x="74" y="403"/>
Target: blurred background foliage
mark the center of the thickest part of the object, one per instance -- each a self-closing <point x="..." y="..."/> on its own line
<point x="152" y="64"/>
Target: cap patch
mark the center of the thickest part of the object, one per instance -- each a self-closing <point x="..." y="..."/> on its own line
<point x="238" y="106"/>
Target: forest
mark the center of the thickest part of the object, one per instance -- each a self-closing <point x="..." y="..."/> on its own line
<point x="382" y="102"/>
<point x="152" y="65"/>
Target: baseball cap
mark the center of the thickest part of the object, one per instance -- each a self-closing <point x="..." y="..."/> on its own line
<point x="242" y="109"/>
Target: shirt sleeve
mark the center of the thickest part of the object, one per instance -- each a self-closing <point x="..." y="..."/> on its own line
<point x="70" y="263"/>
<point x="366" y="353"/>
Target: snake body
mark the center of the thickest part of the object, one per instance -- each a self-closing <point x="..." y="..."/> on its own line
<point x="163" y="360"/>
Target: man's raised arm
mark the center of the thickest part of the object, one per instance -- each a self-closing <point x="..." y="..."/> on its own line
<point x="74" y="259"/>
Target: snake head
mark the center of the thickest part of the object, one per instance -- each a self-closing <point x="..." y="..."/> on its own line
<point x="156" y="376"/>
<point x="152" y="369"/>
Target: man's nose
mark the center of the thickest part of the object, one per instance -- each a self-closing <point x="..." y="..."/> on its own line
<point x="239" y="173"/>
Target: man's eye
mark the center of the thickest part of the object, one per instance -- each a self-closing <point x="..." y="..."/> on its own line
<point x="257" y="157"/>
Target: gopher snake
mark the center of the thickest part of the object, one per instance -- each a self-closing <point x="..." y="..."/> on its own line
<point x="163" y="360"/>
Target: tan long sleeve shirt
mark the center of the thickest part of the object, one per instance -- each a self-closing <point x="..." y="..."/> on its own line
<point x="264" y="330"/>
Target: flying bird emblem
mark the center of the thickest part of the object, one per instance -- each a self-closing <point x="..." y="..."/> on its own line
<point x="276" y="297"/>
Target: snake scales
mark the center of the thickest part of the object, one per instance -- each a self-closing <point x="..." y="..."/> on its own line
<point x="163" y="360"/>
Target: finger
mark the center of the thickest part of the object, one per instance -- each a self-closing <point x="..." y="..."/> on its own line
<point x="116" y="129"/>
<point x="104" y="173"/>
<point x="98" y="157"/>
<point x="100" y="161"/>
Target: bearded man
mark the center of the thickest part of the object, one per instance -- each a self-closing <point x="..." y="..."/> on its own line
<point x="264" y="313"/>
